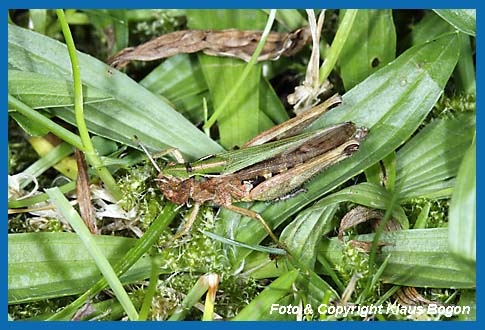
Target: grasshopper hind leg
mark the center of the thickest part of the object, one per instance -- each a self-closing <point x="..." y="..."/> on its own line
<point x="260" y="219"/>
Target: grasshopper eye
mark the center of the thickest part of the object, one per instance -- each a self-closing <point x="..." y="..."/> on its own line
<point x="350" y="149"/>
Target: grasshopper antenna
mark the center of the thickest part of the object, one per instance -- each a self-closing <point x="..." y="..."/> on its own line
<point x="147" y="153"/>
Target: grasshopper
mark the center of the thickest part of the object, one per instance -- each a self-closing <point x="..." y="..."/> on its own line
<point x="263" y="169"/>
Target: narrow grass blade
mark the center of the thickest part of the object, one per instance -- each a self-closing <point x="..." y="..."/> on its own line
<point x="260" y="307"/>
<point x="103" y="264"/>
<point x="462" y="225"/>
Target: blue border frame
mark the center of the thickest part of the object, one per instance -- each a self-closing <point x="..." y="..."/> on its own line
<point x="410" y="4"/>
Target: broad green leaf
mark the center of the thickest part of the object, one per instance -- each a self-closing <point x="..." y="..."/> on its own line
<point x="181" y="81"/>
<point x="419" y="257"/>
<point x="47" y="265"/>
<point x="462" y="225"/>
<point x="367" y="194"/>
<point x="392" y="103"/>
<point x="371" y="45"/>
<point x="177" y="77"/>
<point x="260" y="307"/>
<point x="42" y="91"/>
<point x="464" y="20"/>
<point x="431" y="158"/>
<point x="133" y="111"/>
<point x="302" y="235"/>
<point x="242" y="119"/>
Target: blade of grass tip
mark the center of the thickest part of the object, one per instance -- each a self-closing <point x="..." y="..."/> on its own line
<point x="39" y="119"/>
<point x="245" y="73"/>
<point x="191" y="298"/>
<point x="150" y="291"/>
<point x="210" y="298"/>
<point x="91" y="154"/>
<point x="141" y="247"/>
<point x="49" y="160"/>
<point x="103" y="264"/>
<point x="258" y="248"/>
<point x="373" y="282"/>
<point x="337" y="44"/>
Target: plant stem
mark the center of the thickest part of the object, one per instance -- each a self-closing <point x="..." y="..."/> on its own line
<point x="38" y="118"/>
<point x="247" y="69"/>
<point x="337" y="44"/>
<point x="91" y="155"/>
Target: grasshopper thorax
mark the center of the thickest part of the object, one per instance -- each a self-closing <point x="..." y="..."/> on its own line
<point x="175" y="189"/>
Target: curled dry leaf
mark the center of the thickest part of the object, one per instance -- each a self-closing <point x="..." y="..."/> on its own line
<point x="362" y="214"/>
<point x="409" y="296"/>
<point x="230" y="43"/>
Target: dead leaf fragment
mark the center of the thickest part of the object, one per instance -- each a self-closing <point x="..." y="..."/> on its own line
<point x="230" y="43"/>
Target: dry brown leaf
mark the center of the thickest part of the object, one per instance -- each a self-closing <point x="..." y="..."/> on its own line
<point x="230" y="43"/>
<point x="84" y="192"/>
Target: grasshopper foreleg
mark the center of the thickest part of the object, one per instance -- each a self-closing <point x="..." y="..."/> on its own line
<point x="188" y="224"/>
<point x="174" y="152"/>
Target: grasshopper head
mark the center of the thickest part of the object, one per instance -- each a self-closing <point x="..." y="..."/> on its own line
<point x="175" y="189"/>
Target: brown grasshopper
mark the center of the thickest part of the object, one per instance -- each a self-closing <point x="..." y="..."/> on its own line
<point x="261" y="170"/>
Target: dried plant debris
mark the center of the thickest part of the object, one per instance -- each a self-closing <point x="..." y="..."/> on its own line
<point x="409" y="296"/>
<point x="360" y="215"/>
<point x="230" y="43"/>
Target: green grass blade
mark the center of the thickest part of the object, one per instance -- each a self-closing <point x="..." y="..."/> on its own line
<point x="137" y="112"/>
<point x="371" y="44"/>
<point x="338" y="43"/>
<point x="45" y="122"/>
<point x="464" y="20"/>
<point x="234" y="85"/>
<point x="103" y="264"/>
<point x="44" y="163"/>
<point x="433" y="157"/>
<point x="259" y="308"/>
<point x="462" y="224"/>
<point x="91" y="155"/>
